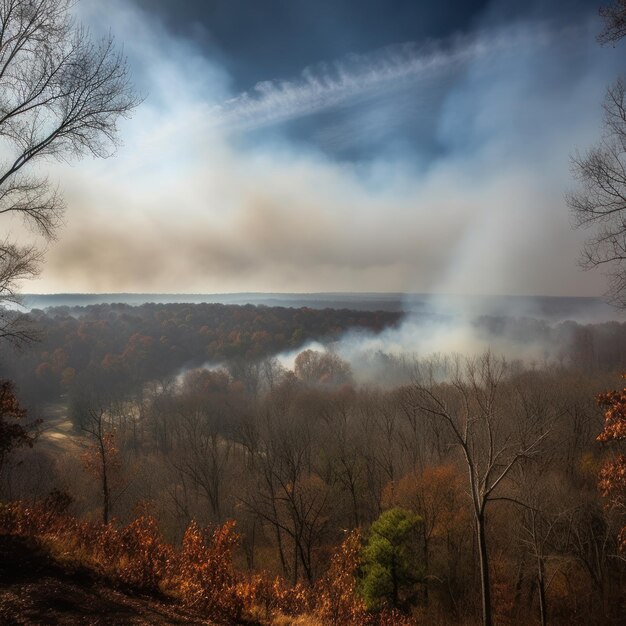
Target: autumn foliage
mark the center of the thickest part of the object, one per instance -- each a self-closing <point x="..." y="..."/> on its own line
<point x="206" y="576"/>
<point x="201" y="573"/>
<point x="13" y="434"/>
<point x="133" y="555"/>
<point x="613" y="473"/>
<point x="337" y="601"/>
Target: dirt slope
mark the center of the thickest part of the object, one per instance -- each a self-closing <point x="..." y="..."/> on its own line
<point x="35" y="589"/>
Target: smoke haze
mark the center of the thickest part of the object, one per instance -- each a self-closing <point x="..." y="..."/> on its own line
<point x="426" y="166"/>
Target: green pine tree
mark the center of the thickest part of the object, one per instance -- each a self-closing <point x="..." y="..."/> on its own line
<point x="391" y="566"/>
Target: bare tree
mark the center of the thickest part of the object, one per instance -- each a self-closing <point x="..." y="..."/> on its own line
<point x="544" y="532"/>
<point x="474" y="404"/>
<point x="592" y="535"/>
<point x="101" y="456"/>
<point x="289" y="492"/>
<point x="202" y="454"/>
<point x="599" y="203"/>
<point x="61" y="96"/>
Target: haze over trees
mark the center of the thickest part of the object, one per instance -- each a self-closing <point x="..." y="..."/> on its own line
<point x="497" y="459"/>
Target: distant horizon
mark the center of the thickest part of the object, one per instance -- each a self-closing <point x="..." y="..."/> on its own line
<point x="308" y="293"/>
<point x="584" y="309"/>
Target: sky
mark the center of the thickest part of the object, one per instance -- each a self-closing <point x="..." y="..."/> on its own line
<point x="344" y="145"/>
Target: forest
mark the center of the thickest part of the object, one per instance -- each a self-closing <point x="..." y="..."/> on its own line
<point x="376" y="420"/>
<point x="253" y="488"/>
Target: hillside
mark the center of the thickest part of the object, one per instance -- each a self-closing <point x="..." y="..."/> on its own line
<point x="37" y="589"/>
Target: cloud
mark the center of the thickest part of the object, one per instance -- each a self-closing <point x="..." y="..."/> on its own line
<point x="188" y="205"/>
<point x="341" y="82"/>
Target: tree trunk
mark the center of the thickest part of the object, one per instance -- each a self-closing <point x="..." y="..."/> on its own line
<point x="105" y="484"/>
<point x="426" y="563"/>
<point x="519" y="584"/>
<point x="541" y="586"/>
<point x="394" y="581"/>
<point x="485" y="584"/>
<point x="355" y="504"/>
<point x="295" y="559"/>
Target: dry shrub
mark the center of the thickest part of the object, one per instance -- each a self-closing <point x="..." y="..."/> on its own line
<point x="206" y="577"/>
<point x="300" y="620"/>
<point x="272" y="598"/>
<point x="290" y="599"/>
<point x="135" y="554"/>
<point x="10" y="519"/>
<point x="393" y="618"/>
<point x="336" y="599"/>
<point x="145" y="558"/>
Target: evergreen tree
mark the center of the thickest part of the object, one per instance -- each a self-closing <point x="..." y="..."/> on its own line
<point x="391" y="566"/>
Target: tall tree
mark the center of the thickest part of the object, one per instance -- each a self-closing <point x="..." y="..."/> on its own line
<point x="475" y="402"/>
<point x="599" y="203"/>
<point x="101" y="457"/>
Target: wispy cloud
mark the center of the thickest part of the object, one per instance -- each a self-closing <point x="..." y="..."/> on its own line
<point x="342" y="82"/>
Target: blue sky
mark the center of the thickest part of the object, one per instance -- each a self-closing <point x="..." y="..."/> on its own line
<point x="264" y="40"/>
<point x="369" y="145"/>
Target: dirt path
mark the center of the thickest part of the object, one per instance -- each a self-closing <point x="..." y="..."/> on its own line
<point x="57" y="429"/>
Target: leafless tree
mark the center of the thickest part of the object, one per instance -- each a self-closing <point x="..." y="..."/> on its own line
<point x="289" y="493"/>
<point x="101" y="456"/>
<point x="61" y="97"/>
<point x="599" y="204"/>
<point x="344" y="454"/>
<point x="592" y="535"/>
<point x="202" y="454"/>
<point x="474" y="404"/>
<point x="543" y="529"/>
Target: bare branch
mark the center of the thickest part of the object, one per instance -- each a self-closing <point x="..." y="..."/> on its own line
<point x="61" y="97"/>
<point x="599" y="203"/>
<point x="615" y="22"/>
